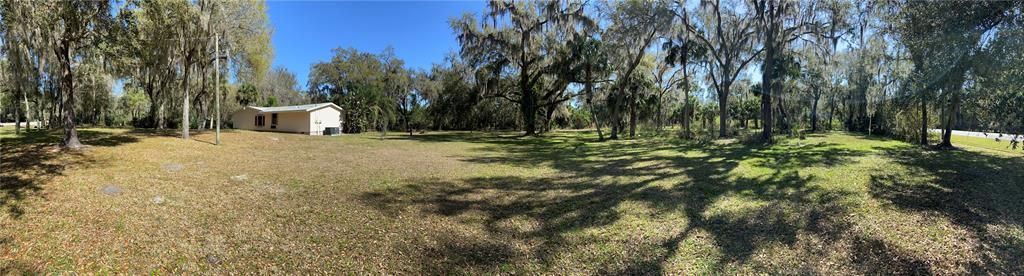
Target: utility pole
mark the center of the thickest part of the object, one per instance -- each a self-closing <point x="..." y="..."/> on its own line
<point x="216" y="82"/>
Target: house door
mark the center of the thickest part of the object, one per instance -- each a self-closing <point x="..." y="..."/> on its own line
<point x="273" y="120"/>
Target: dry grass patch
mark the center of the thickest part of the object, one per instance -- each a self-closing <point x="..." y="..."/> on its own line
<point x="481" y="203"/>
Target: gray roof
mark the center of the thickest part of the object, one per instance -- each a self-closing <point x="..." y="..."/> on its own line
<point x="295" y="108"/>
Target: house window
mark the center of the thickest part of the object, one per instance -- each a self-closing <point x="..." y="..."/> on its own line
<point x="261" y="121"/>
<point x="273" y="120"/>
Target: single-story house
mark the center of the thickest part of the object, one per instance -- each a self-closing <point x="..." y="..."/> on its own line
<point x="312" y="119"/>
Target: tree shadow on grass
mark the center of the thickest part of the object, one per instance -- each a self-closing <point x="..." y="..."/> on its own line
<point x="11" y="266"/>
<point x="176" y="133"/>
<point x="16" y="267"/>
<point x="30" y="160"/>
<point x="204" y="141"/>
<point x="796" y="156"/>
<point x="592" y="186"/>
<point x="874" y="256"/>
<point x="978" y="191"/>
<point x="171" y="132"/>
<point x="498" y="137"/>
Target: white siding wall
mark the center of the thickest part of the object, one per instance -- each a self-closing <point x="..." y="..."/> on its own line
<point x="244" y="119"/>
<point x="290" y="122"/>
<point x="328" y="117"/>
<point x="297" y="122"/>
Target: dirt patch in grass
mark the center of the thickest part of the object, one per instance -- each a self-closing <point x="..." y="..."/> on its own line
<point x="173" y="167"/>
<point x="111" y="190"/>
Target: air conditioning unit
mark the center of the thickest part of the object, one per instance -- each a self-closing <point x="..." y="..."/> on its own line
<point x="332" y="131"/>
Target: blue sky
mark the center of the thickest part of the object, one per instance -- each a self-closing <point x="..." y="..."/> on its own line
<point x="305" y="32"/>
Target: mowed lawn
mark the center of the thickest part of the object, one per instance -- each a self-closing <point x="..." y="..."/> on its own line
<point x="493" y="203"/>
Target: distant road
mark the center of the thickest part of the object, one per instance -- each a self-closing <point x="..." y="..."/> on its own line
<point x="11" y="124"/>
<point x="992" y="135"/>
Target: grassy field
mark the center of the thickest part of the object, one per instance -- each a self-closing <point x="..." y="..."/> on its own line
<point x="485" y="203"/>
<point x="1001" y="147"/>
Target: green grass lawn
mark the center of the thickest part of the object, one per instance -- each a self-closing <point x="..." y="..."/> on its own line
<point x="491" y="203"/>
<point x="991" y="145"/>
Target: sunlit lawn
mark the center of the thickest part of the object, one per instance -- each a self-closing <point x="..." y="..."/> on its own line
<point x="991" y="145"/>
<point x="485" y="203"/>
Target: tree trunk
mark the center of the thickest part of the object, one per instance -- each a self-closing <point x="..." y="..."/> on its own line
<point x="408" y="113"/>
<point x="16" y="80"/>
<point x="184" y="104"/>
<point x="204" y="108"/>
<point x="767" y="79"/>
<point x="597" y="124"/>
<point x="38" y="89"/>
<point x="1" y="109"/>
<point x="924" y="122"/>
<point x="70" y="140"/>
<point x="162" y="118"/>
<point x="723" y="114"/>
<point x="40" y="104"/>
<point x="528" y="106"/>
<point x="17" y="116"/>
<point x="687" y="114"/>
<point x="407" y="125"/>
<point x="831" y="111"/>
<point x="613" y="108"/>
<point x="154" y="104"/>
<point x="723" y="109"/>
<point x="614" y="131"/>
<point x="814" y="110"/>
<point x="27" y="112"/>
<point x="659" y="116"/>
<point x="861" y="100"/>
<point x="687" y="108"/>
<point x="847" y="120"/>
<point x="870" y="121"/>
<point x="545" y="125"/>
<point x="57" y="106"/>
<point x="529" y="110"/>
<point x="154" y="110"/>
<point x="632" y="114"/>
<point x="950" y="120"/>
<point x="783" y="118"/>
<point x="589" y="87"/>
<point x="766" y="111"/>
<point x="54" y="111"/>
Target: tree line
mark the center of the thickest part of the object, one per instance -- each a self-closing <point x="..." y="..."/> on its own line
<point x="714" y="68"/>
<point x="61" y="61"/>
